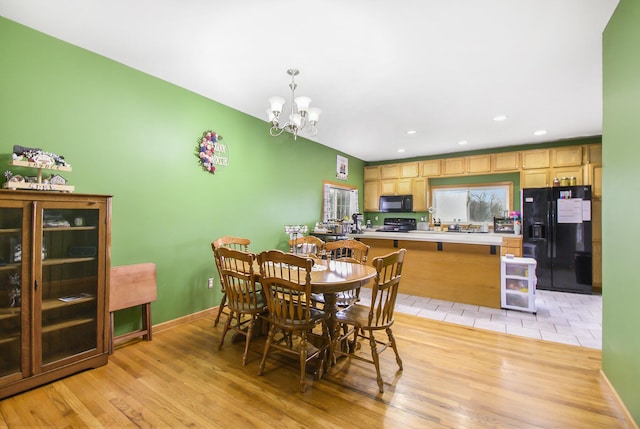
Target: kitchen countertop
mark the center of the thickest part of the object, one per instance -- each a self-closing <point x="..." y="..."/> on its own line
<point x="489" y="238"/>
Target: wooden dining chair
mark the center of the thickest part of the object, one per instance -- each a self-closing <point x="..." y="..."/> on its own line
<point x="244" y="299"/>
<point x="307" y="245"/>
<point x="361" y="322"/>
<point x="286" y="282"/>
<point x="350" y="250"/>
<point x="231" y="242"/>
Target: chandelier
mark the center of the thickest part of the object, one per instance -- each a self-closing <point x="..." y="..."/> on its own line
<point x="302" y="117"/>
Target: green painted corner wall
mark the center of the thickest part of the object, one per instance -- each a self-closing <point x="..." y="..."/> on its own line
<point x="133" y="136"/>
<point x="621" y="202"/>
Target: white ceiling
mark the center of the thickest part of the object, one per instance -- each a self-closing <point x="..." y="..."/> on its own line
<point x="377" y="68"/>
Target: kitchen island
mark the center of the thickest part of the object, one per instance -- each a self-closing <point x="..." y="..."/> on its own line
<point x="451" y="266"/>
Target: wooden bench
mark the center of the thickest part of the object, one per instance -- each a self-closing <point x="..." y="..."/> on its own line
<point x="129" y="286"/>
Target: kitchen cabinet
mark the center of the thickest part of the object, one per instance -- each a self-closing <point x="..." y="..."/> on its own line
<point x="409" y="169"/>
<point x="592" y="154"/>
<point x="404" y="187"/>
<point x="54" y="264"/>
<point x="371" y="196"/>
<point x="371" y="173"/>
<point x="518" y="283"/>
<point x="507" y="161"/>
<point x="430" y="168"/>
<point x="594" y="178"/>
<point x="388" y="187"/>
<point x="453" y="166"/>
<point x="419" y="191"/>
<point x="389" y="171"/>
<point x="566" y="156"/>
<point x="534" y="178"/>
<point x="568" y="172"/>
<point x="511" y="246"/>
<point x="535" y="159"/>
<point x="478" y="164"/>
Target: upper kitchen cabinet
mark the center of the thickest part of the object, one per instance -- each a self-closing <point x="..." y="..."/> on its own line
<point x="409" y="170"/>
<point x="430" y="168"/>
<point x="453" y="166"/>
<point x="537" y="158"/>
<point x="592" y="154"/>
<point x="391" y="171"/>
<point x="389" y="187"/>
<point x="534" y="178"/>
<point x="478" y="164"/>
<point x="371" y="196"/>
<point x="507" y="161"/>
<point x="419" y="191"/>
<point x="568" y="173"/>
<point x="567" y="156"/>
<point x="371" y="173"/>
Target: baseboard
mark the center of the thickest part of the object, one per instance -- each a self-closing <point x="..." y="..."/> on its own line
<point x="184" y="319"/>
<point x="627" y="414"/>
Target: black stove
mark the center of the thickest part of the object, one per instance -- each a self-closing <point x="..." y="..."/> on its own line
<point x="398" y="224"/>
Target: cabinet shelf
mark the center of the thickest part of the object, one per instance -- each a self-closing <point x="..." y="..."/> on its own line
<point x="9" y="338"/>
<point x="60" y="261"/>
<point x="10" y="230"/>
<point x="9" y="267"/>
<point x="66" y="324"/>
<point x="50" y="304"/>
<point x="8" y="313"/>
<point x="68" y="228"/>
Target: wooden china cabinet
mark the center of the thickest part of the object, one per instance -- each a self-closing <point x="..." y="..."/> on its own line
<point x="54" y="265"/>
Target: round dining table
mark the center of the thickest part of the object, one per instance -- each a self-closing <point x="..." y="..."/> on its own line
<point x="330" y="277"/>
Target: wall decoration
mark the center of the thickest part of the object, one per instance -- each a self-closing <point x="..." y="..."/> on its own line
<point x="211" y="151"/>
<point x="342" y="167"/>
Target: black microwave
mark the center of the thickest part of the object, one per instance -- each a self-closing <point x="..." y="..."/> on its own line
<point x="396" y="203"/>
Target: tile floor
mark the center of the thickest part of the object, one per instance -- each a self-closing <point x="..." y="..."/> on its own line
<point x="561" y="317"/>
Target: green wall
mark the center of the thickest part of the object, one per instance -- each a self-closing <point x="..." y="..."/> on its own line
<point x="133" y="136"/>
<point x="621" y="204"/>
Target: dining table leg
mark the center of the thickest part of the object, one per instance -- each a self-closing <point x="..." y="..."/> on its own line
<point x="331" y="307"/>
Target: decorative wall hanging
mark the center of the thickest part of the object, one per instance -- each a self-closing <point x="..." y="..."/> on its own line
<point x="342" y="167"/>
<point x="211" y="151"/>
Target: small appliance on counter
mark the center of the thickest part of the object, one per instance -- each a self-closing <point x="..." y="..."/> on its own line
<point x="357" y="218"/>
<point x="398" y="224"/>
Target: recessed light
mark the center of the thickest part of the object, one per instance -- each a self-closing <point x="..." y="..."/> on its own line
<point x="400" y="150"/>
<point x="500" y="118"/>
<point x="540" y="133"/>
<point x="462" y="142"/>
<point x="411" y="132"/>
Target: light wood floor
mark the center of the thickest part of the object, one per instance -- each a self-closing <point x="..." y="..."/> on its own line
<point x="454" y="377"/>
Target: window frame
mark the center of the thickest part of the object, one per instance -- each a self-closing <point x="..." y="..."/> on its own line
<point x="434" y="189"/>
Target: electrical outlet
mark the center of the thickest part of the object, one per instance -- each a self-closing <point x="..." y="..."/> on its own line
<point x="210" y="283"/>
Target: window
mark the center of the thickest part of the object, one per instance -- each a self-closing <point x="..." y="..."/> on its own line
<point x="471" y="204"/>
<point x="339" y="201"/>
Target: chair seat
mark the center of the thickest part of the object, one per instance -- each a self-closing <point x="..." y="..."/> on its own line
<point x="315" y="317"/>
<point x="355" y="315"/>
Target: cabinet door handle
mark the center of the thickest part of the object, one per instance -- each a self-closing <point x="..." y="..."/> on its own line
<point x="36" y="285"/>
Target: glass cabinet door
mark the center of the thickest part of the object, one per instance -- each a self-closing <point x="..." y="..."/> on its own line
<point x="69" y="316"/>
<point x="12" y="299"/>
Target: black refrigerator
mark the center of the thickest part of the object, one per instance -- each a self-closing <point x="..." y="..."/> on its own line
<point x="556" y="232"/>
